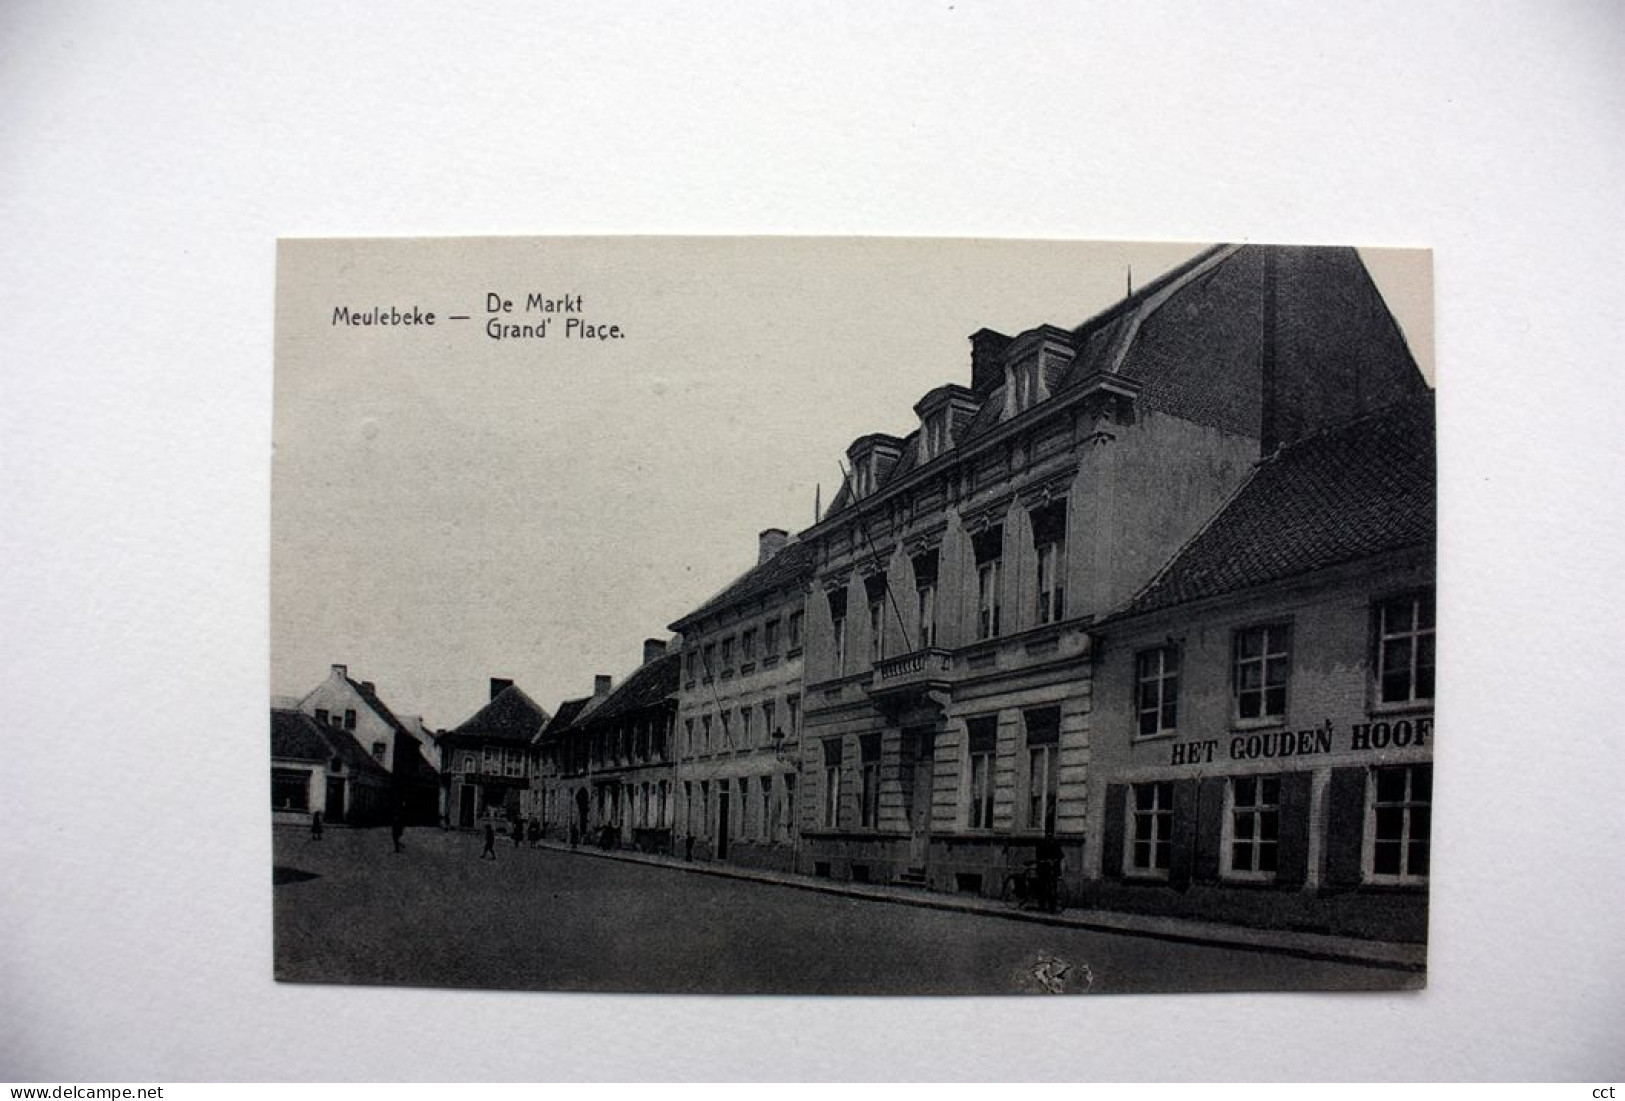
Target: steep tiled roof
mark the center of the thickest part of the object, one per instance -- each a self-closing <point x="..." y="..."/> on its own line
<point x="296" y="736"/>
<point x="372" y="701"/>
<point x="511" y="717"/>
<point x="569" y="711"/>
<point x="1194" y="342"/>
<point x="648" y="685"/>
<point x="1363" y="488"/>
<point x="791" y="566"/>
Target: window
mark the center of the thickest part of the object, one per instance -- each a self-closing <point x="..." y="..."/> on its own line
<point x="832" y="783"/>
<point x="744" y="728"/>
<point x="513" y="762"/>
<point x="794" y="640"/>
<point x="378" y="749"/>
<point x="1151" y="828"/>
<point x="983" y="739"/>
<point x="792" y="707"/>
<point x="1043" y="758"/>
<point x="747" y="646"/>
<point x="1401" y="818"/>
<point x="708" y="660"/>
<point x="1262" y="661"/>
<point x="869" y="781"/>
<point x="688" y="808"/>
<point x="688" y="736"/>
<point x="789" y="804"/>
<point x="728" y="654"/>
<point x="1156" y="689"/>
<point x="727" y="732"/>
<point x="321" y="716"/>
<point x="1405" y="649"/>
<point x="769" y="713"/>
<point x="1049" y="542"/>
<point x="1255" y="824"/>
<point x="989" y="546"/>
<point x="692" y="658"/>
<point x="925" y="594"/>
<point x="290" y="789"/>
<point x="764" y="820"/>
<point x="349" y="718"/>
<point x="770" y="638"/>
<point x="875" y="590"/>
<point x="837" y="615"/>
<point x="705" y="734"/>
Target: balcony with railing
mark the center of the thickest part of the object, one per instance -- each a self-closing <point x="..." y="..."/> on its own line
<point x="910" y="679"/>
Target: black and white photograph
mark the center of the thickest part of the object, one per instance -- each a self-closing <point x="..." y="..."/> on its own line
<point x="852" y="615"/>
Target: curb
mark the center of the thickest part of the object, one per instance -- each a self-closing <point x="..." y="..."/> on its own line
<point x="1385" y="958"/>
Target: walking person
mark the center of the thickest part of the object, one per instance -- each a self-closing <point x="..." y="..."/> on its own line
<point x="518" y="832"/>
<point x="490" y="842"/>
<point x="315" y="825"/>
<point x="397" y="829"/>
<point x="535" y="833"/>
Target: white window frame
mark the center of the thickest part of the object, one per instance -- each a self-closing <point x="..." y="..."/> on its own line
<point x="1161" y="816"/>
<point x="877" y="630"/>
<point x="927" y="598"/>
<point x="1413" y="636"/>
<point x="1051" y="577"/>
<point x="1165" y="678"/>
<point x="1408" y="805"/>
<point x="1275" y="645"/>
<point x="1256" y="811"/>
<point x="987" y="599"/>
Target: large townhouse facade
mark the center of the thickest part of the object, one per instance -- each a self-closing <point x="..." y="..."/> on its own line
<point x="951" y="663"/>
<point x="739" y="713"/>
<point x="1263" y="725"/>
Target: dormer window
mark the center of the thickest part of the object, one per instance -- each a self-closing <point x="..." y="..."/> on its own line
<point x="1028" y="380"/>
<point x="934" y="435"/>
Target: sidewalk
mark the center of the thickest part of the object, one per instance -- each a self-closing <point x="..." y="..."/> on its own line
<point x="1314" y="946"/>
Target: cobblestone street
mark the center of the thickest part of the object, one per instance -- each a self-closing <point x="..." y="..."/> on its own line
<point x="349" y="910"/>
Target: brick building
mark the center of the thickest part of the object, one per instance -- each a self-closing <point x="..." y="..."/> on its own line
<point x="961" y="572"/>
<point x="739" y="712"/>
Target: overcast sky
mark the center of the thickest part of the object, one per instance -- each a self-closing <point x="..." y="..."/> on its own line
<point x="447" y="508"/>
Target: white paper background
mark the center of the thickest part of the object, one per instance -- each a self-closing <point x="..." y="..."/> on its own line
<point x="151" y="154"/>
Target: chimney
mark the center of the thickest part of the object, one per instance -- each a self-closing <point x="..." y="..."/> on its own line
<point x="367" y="686"/>
<point x="768" y="543"/>
<point x="499" y="685"/>
<point x="653" y="648"/>
<point x="987" y="360"/>
<point x="341" y="670"/>
<point x="600" y="685"/>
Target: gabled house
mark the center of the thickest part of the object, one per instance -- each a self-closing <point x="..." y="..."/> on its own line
<point x="317" y="767"/>
<point x="486" y="759"/>
<point x="354" y="707"/>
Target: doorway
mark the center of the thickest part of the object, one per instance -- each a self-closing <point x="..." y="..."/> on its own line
<point x="333" y="811"/>
<point x="920" y="762"/>
<point x="581" y="812"/>
<point x="722" y="822"/>
<point x="465" y="807"/>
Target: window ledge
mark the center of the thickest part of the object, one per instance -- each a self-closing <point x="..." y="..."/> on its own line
<point x="1409" y="707"/>
<point x="1159" y="736"/>
<point x="1249" y="726"/>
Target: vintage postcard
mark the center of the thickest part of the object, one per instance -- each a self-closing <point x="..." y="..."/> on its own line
<point x="852" y="616"/>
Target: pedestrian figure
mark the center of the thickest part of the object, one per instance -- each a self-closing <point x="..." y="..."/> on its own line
<point x="535" y="833"/>
<point x="518" y="831"/>
<point x="396" y="829"/>
<point x="575" y="835"/>
<point x="315" y="825"/>
<point x="490" y="842"/>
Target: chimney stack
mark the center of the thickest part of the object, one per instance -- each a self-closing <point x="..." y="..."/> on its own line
<point x="987" y="349"/>
<point x="600" y="685"/>
<point x="769" y="543"/>
<point x="341" y="670"/>
<point x="368" y="686"/>
<point x="499" y="685"/>
<point x="653" y="648"/>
